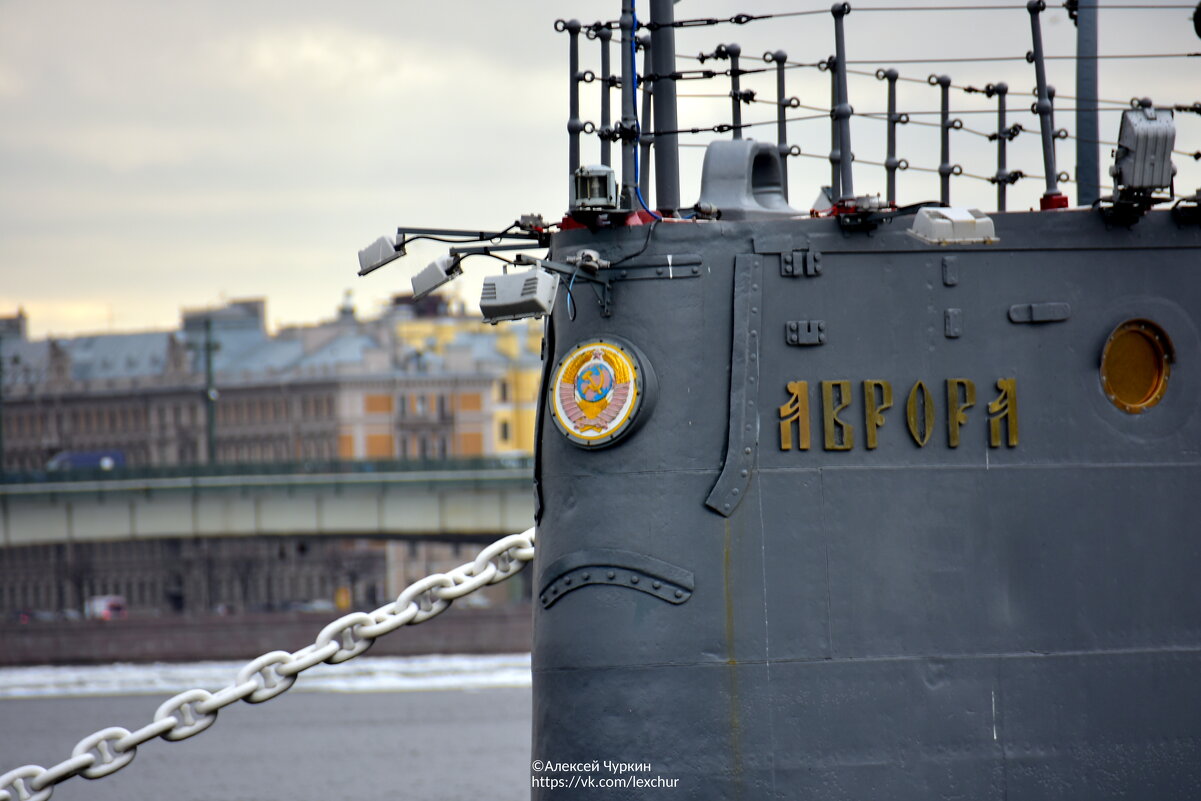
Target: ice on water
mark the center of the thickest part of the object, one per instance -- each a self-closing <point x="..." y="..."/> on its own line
<point x="364" y="674"/>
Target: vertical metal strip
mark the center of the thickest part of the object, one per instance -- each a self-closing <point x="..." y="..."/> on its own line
<point x="574" y="126"/>
<point x="735" y="89"/>
<point x="1043" y="105"/>
<point x="890" y="162"/>
<point x="842" y="110"/>
<point x="742" y="442"/>
<point x="667" y="153"/>
<point x="1088" y="165"/>
<point x="780" y="58"/>
<point x="646" y="135"/>
<point x="835" y="142"/>
<point x="606" y="36"/>
<point x="944" y="164"/>
<point x="1002" y="140"/>
<point x="629" y="182"/>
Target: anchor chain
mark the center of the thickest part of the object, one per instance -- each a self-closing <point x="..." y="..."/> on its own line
<point x="192" y="711"/>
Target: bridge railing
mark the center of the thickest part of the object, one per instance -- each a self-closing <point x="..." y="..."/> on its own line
<point x="309" y="467"/>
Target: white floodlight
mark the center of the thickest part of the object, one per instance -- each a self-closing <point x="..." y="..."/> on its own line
<point x="1143" y="158"/>
<point x="378" y="253"/>
<point x="441" y="270"/>
<point x="518" y="295"/>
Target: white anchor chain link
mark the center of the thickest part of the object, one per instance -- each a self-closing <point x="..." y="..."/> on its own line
<point x="192" y="711"/>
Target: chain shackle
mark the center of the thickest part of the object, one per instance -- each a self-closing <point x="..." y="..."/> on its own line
<point x="422" y="594"/>
<point x="344" y="631"/>
<point x="105" y="749"/>
<point x="264" y="671"/>
<point x="189" y="720"/>
<point x="16" y="784"/>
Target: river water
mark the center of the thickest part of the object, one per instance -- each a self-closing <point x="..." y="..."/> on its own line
<point x="444" y="745"/>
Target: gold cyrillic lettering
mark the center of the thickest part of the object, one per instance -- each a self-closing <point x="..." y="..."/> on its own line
<point x="1004" y="410"/>
<point x="921" y="434"/>
<point x="873" y="409"/>
<point x="795" y="410"/>
<point x="957" y="408"/>
<point x="833" y="425"/>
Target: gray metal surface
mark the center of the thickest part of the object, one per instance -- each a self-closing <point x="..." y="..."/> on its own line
<point x="878" y="617"/>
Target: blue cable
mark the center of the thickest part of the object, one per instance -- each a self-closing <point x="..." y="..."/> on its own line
<point x="570" y="300"/>
<point x="637" y="132"/>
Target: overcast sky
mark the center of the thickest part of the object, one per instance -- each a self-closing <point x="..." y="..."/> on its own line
<point x="158" y="155"/>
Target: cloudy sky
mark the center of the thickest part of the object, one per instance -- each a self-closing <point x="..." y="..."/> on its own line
<point x="157" y="155"/>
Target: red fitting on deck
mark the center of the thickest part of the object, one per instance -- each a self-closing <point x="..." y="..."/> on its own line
<point x="1051" y="202"/>
<point x="613" y="219"/>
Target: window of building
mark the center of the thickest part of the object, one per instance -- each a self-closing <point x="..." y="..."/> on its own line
<point x="504" y="431"/>
<point x="471" y="443"/>
<point x="377" y="404"/>
<point x="379" y="446"/>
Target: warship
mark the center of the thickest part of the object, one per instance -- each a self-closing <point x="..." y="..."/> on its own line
<point x="874" y="497"/>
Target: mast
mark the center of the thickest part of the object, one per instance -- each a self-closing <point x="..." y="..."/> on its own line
<point x="667" y="155"/>
<point x="629" y="123"/>
<point x="1088" y="167"/>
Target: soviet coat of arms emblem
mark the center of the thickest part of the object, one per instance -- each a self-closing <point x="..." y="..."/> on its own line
<point x="597" y="391"/>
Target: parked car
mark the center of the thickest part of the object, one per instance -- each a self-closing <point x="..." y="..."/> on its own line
<point x="106" y="607"/>
<point x="86" y="460"/>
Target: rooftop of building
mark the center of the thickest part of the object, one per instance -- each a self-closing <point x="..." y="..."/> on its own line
<point x="431" y="336"/>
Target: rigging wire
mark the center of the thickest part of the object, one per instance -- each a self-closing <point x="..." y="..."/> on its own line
<point x="702" y="74"/>
<point x="981" y="59"/>
<point x="725" y="127"/>
<point x="1006" y="8"/>
<point x="743" y="19"/>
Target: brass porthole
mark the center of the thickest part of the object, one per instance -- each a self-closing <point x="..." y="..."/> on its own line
<point x="1135" y="365"/>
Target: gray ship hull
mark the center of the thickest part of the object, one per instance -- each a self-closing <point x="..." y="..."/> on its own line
<point x="984" y="588"/>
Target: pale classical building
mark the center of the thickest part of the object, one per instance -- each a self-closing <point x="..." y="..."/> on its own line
<point x="416" y="382"/>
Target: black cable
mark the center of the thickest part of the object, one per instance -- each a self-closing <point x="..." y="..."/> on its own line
<point x="502" y="233"/>
<point x="509" y="262"/>
<point x="938" y="8"/>
<point x="645" y="245"/>
<point x="432" y="238"/>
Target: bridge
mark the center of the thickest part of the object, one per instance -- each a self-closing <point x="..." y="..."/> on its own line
<point x="250" y="538"/>
<point x="464" y="497"/>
